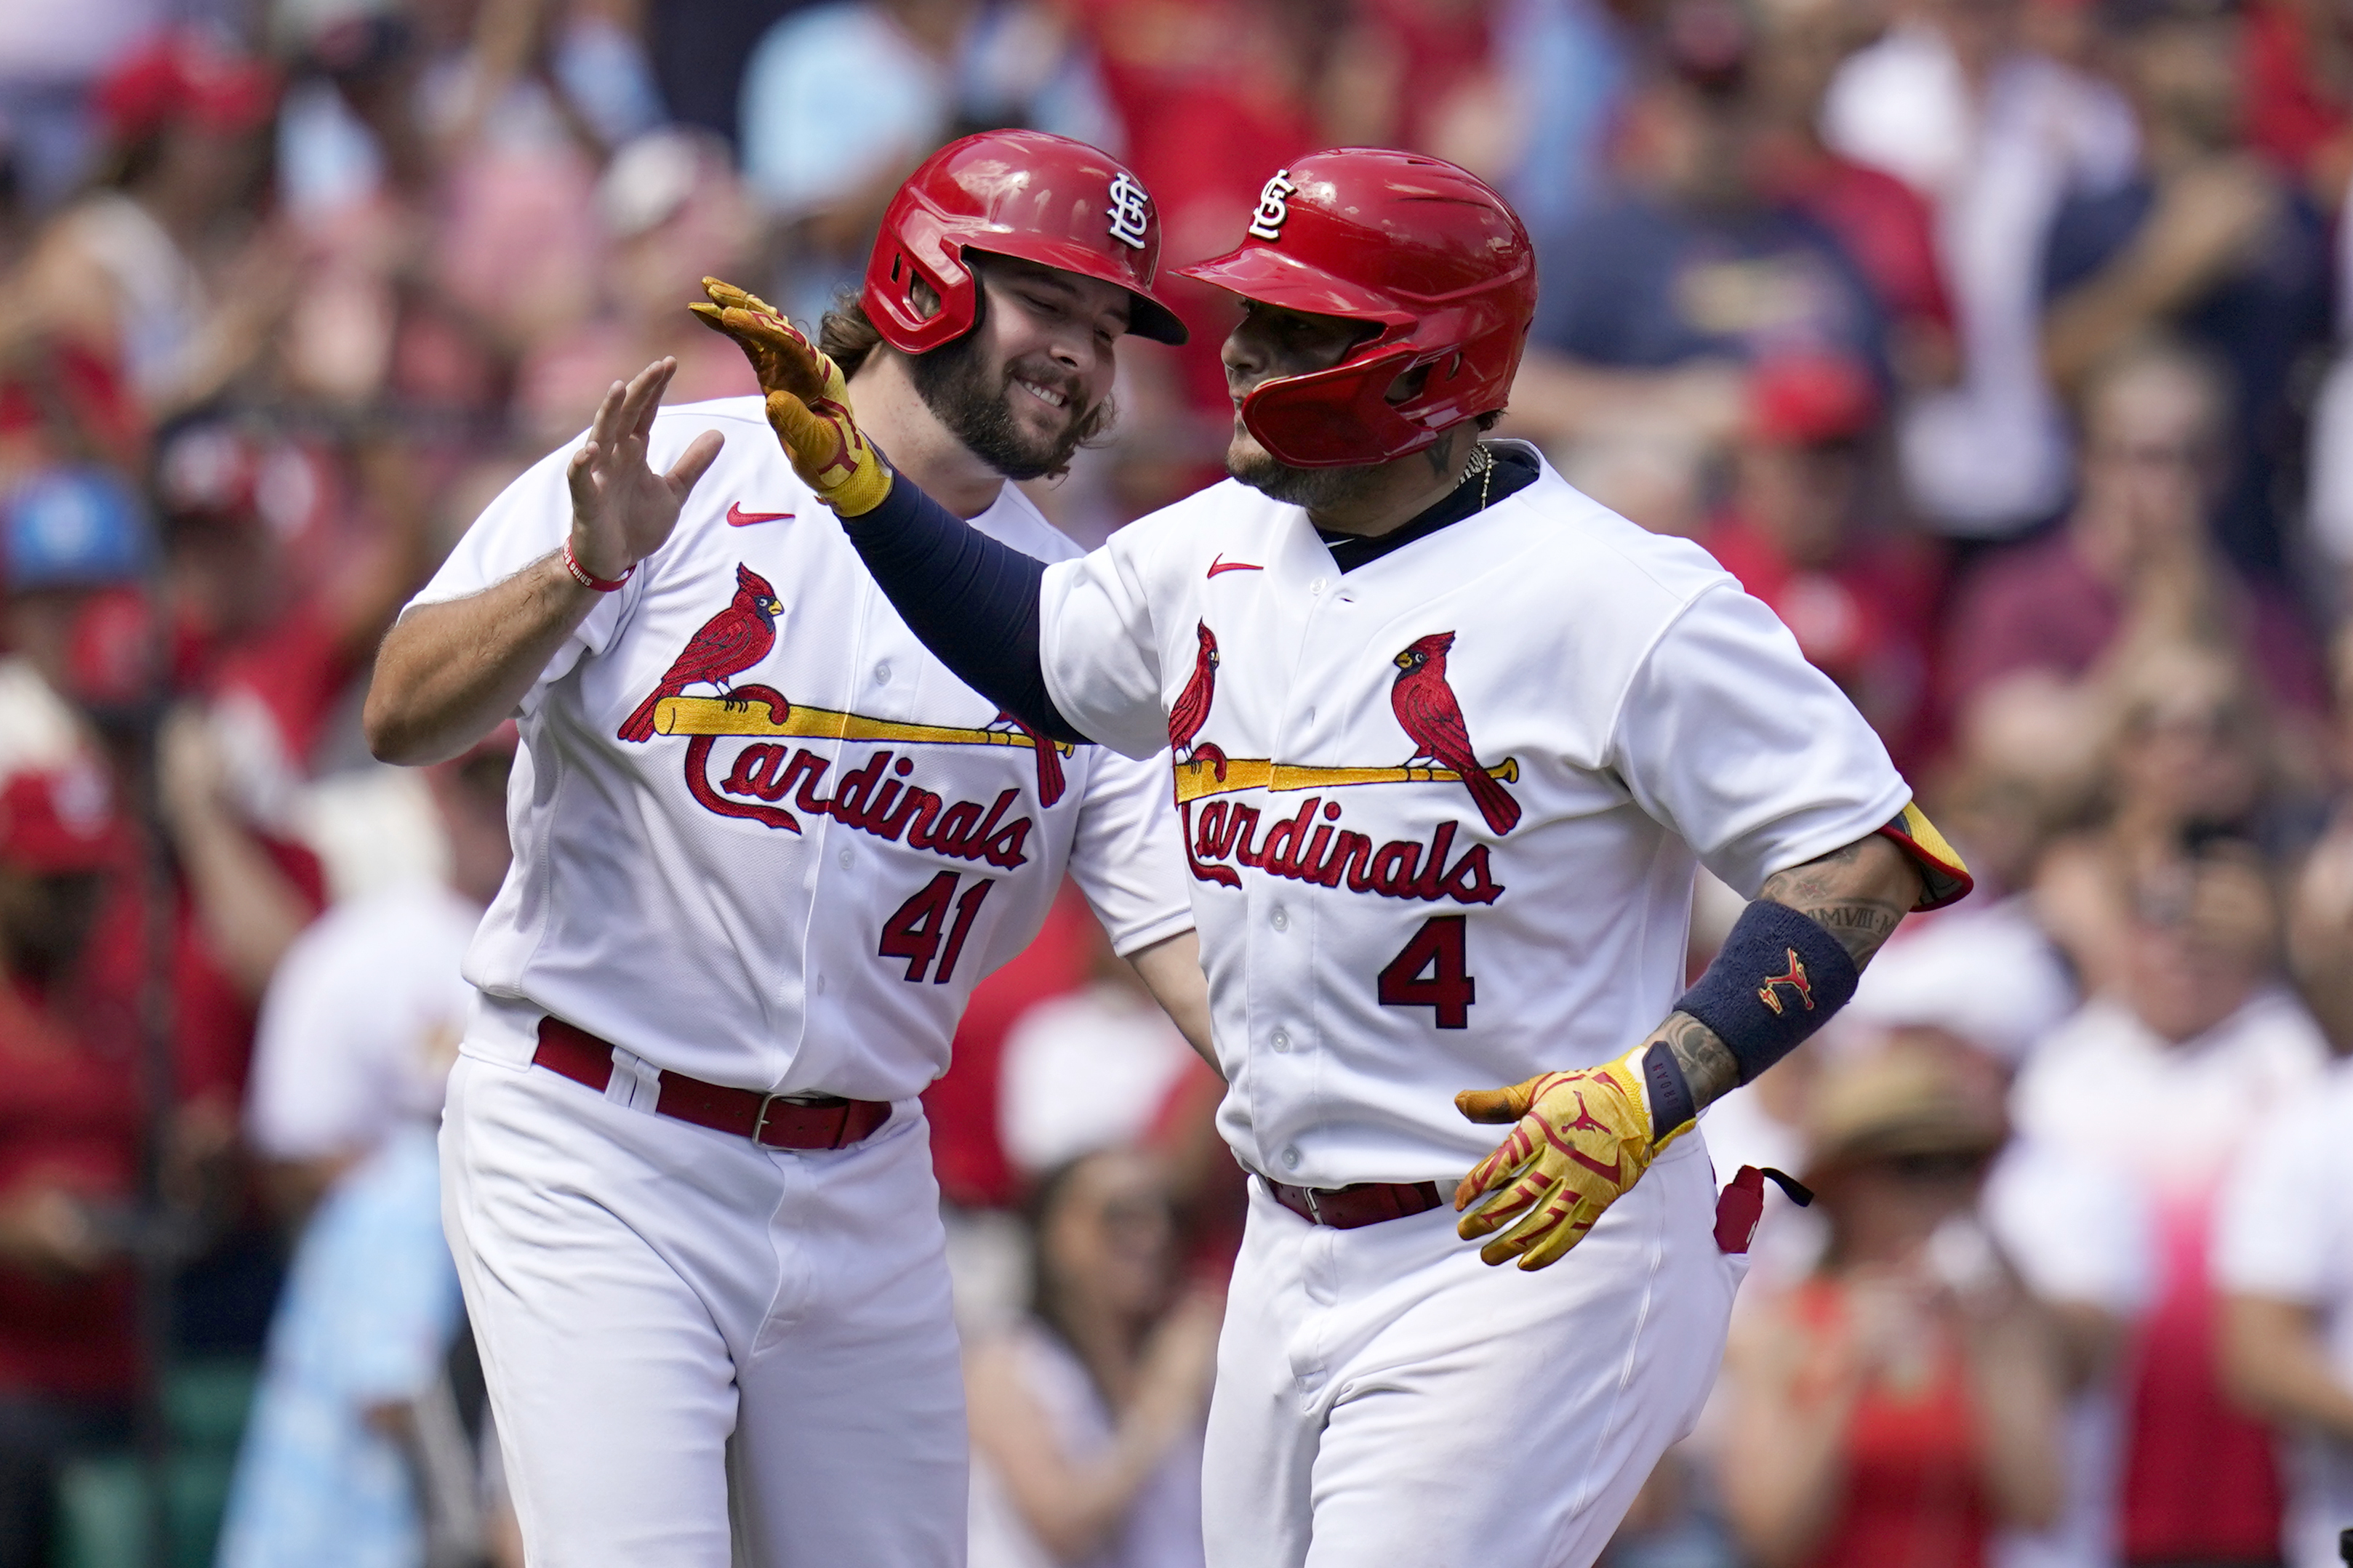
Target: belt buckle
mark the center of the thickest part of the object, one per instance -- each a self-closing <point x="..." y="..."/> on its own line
<point x="760" y="1122"/>
<point x="1313" y="1212"/>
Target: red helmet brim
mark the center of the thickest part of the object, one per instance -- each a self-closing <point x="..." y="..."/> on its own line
<point x="1146" y="316"/>
<point x="1276" y="278"/>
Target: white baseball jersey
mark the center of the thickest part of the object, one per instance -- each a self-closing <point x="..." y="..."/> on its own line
<point x="761" y="836"/>
<point x="1379" y="932"/>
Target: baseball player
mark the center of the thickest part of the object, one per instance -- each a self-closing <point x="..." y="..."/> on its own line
<point x="764" y="847"/>
<point x="1447" y="739"/>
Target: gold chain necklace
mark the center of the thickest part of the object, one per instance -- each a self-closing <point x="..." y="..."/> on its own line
<point x="1482" y="464"/>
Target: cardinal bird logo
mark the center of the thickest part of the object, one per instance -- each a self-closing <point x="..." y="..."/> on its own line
<point x="1049" y="758"/>
<point x="1192" y="709"/>
<point x="730" y="643"/>
<point x="1426" y="709"/>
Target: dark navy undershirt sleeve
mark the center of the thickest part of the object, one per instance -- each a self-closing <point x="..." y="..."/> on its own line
<point x="971" y="600"/>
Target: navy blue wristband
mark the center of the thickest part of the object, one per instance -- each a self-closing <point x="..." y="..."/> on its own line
<point x="1779" y="978"/>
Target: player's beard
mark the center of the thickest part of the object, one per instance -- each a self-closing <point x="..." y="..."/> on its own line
<point x="1317" y="489"/>
<point x="973" y="399"/>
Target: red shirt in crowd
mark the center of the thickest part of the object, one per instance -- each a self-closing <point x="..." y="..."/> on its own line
<point x="2039" y="607"/>
<point x="1912" y="1493"/>
<point x="1883" y="224"/>
<point x="2201" y="1480"/>
<point x="1863" y="622"/>
<point x="72" y="1116"/>
<point x="2289" y="117"/>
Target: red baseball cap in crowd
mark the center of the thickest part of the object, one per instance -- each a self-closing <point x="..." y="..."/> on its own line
<point x="58" y="821"/>
<point x="1811" y="399"/>
<point x="184" y="74"/>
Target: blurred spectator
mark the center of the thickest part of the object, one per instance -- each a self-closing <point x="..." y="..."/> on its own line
<point x="162" y="266"/>
<point x="1953" y="100"/>
<point x="283" y="566"/>
<point x="50" y="52"/>
<point x="1655" y="299"/>
<point x="1087" y="1418"/>
<point x="1807" y="533"/>
<point x="673" y="212"/>
<point x="1902" y="1403"/>
<point x="2193" y="1054"/>
<point x="1090" y="1070"/>
<point x="2135" y="556"/>
<point x="75" y="1077"/>
<point x="2075" y="1228"/>
<point x="330" y="1080"/>
<point x="70" y="1123"/>
<point x="2283" y="1240"/>
<point x="75" y="547"/>
<point x="2187" y="761"/>
<point x="2204" y="240"/>
<point x="1102" y="1067"/>
<point x="698" y="49"/>
<point x="1884" y="224"/>
<point x="1212" y="97"/>
<point x="839" y="101"/>
<point x="2299" y="93"/>
<point x="1567" y="64"/>
<point x="353" y="1454"/>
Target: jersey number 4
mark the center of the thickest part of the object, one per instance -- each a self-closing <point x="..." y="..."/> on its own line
<point x="1430" y="972"/>
<point x="917" y="931"/>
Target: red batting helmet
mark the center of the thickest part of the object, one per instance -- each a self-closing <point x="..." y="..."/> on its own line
<point x="1412" y="246"/>
<point x="1043" y="198"/>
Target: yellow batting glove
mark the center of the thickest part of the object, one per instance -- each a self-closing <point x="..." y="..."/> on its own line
<point x="1582" y="1139"/>
<point x="808" y="402"/>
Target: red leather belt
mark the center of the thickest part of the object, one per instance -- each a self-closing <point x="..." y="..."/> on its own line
<point x="771" y="1119"/>
<point x="1367" y="1203"/>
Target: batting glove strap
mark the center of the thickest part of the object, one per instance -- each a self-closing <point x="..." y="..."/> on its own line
<point x="1779" y="977"/>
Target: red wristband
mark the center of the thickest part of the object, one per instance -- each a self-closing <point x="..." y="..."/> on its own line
<point x="588" y="579"/>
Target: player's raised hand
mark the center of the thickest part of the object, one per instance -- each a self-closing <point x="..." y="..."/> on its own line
<point x="808" y="400"/>
<point x="621" y="509"/>
<point x="1582" y="1138"/>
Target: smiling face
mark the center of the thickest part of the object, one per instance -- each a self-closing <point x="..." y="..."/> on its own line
<point x="1271" y="341"/>
<point x="1033" y="379"/>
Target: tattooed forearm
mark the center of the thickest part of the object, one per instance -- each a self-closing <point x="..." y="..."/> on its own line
<point x="1707" y="1062"/>
<point x="1858" y="894"/>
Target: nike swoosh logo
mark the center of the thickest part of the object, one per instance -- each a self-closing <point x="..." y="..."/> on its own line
<point x="738" y="518"/>
<point x="1222" y="564"/>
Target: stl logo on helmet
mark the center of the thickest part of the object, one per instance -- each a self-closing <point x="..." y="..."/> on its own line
<point x="1273" y="206"/>
<point x="1130" y="211"/>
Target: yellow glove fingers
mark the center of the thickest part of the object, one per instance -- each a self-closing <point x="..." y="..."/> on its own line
<point x="785" y="360"/>
<point x="1512" y="1188"/>
<point x="1542" y="1218"/>
<point x="727" y="296"/>
<point x="1508" y="1157"/>
<point x="1551" y="1249"/>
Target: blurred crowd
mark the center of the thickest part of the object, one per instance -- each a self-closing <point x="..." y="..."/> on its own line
<point x="1995" y="344"/>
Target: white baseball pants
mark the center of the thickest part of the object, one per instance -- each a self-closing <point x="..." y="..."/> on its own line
<point x="1385" y="1397"/>
<point x="701" y="1352"/>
